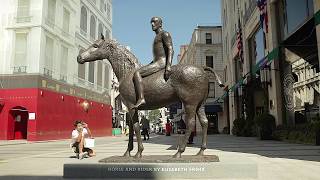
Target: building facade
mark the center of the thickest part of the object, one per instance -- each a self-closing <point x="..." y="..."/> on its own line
<point x="43" y="88"/>
<point x="205" y="49"/>
<point x="271" y="61"/>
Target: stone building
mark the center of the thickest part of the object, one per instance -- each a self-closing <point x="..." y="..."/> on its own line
<point x="42" y="87"/>
<point x="276" y="70"/>
<point x="205" y="49"/>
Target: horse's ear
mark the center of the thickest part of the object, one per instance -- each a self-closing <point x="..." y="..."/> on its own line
<point x="102" y="36"/>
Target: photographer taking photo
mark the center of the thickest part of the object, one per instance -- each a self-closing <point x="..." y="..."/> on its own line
<point x="80" y="132"/>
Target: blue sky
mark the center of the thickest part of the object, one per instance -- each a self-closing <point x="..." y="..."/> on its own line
<point x="131" y="22"/>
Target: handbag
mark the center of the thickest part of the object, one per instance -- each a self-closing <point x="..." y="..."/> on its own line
<point x="88" y="142"/>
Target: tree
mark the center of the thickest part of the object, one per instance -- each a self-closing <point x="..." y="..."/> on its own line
<point x="154" y="115"/>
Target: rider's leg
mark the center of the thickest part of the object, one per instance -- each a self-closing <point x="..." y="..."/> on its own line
<point x="137" y="80"/>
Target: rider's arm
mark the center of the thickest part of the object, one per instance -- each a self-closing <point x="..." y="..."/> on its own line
<point x="168" y="44"/>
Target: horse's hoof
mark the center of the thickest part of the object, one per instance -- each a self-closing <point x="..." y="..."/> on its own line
<point x="139" y="103"/>
<point x="126" y="154"/>
<point x="138" y="155"/>
<point x="177" y="155"/>
<point x="200" y="153"/>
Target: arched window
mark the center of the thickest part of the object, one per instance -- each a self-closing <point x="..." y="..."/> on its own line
<point x="93" y="27"/>
<point x="107" y="36"/>
<point x="100" y="30"/>
<point x="83" y="19"/>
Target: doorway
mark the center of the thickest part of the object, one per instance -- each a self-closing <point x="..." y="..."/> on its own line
<point x="212" y="122"/>
<point x="19" y="119"/>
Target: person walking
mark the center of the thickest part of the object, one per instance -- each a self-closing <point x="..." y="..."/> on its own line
<point x="145" y="127"/>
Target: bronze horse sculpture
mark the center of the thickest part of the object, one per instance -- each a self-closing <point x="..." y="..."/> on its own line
<point x="187" y="84"/>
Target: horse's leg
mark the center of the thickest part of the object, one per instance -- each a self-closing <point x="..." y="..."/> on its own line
<point x="204" y="124"/>
<point x="136" y="127"/>
<point x="190" y="122"/>
<point x="130" y="142"/>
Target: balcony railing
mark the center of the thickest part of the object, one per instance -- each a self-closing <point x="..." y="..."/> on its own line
<point x="19" y="69"/>
<point x="77" y="81"/>
<point x="63" y="78"/>
<point x="47" y="72"/>
<point x="23" y="19"/>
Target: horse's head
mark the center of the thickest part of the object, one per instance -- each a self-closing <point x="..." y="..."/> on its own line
<point x="93" y="52"/>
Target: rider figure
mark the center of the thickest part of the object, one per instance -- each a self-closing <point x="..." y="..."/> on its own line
<point x="162" y="59"/>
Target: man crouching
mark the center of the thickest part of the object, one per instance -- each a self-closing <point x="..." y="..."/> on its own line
<point x="81" y="131"/>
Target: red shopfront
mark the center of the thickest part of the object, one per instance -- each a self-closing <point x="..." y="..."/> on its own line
<point x="36" y="114"/>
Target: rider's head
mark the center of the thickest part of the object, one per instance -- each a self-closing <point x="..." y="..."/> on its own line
<point x="156" y="23"/>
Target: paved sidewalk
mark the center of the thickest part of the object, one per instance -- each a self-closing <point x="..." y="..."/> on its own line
<point x="273" y="159"/>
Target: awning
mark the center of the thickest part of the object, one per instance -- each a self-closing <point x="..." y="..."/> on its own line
<point x="213" y="108"/>
<point x="260" y="64"/>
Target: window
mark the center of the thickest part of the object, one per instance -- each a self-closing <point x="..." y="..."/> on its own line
<point x="108" y="11"/>
<point x="209" y="61"/>
<point x="212" y="90"/>
<point x="81" y="71"/>
<point x="23" y="11"/>
<point x="99" y="79"/>
<point x="107" y="36"/>
<point x="208" y="38"/>
<point x="93" y="28"/>
<point x="296" y="13"/>
<point x="66" y="20"/>
<point x="100" y="30"/>
<point x="258" y="46"/>
<point x="83" y="19"/>
<point x="64" y="60"/>
<point x="91" y="72"/>
<point x="106" y="77"/>
<point x="20" y="49"/>
<point x="102" y="5"/>
<point x="49" y="53"/>
<point x="51" y="11"/>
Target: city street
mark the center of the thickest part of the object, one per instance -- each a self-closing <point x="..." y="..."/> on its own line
<point x="273" y="159"/>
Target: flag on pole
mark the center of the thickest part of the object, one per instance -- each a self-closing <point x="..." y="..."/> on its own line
<point x="239" y="42"/>
<point x="262" y="5"/>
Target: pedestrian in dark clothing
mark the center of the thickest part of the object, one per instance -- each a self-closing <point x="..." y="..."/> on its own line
<point x="145" y="127"/>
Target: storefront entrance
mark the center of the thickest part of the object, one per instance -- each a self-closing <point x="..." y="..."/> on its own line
<point x="212" y="123"/>
<point x="18" y="120"/>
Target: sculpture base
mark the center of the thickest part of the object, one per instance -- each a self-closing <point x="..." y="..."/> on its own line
<point x="160" y="167"/>
<point x="161" y="159"/>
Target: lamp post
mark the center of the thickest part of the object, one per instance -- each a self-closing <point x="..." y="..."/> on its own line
<point x="265" y="76"/>
<point x="240" y="93"/>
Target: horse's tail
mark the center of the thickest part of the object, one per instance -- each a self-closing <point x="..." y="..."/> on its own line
<point x="211" y="70"/>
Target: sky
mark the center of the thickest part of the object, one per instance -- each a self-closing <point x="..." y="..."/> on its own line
<point x="131" y="22"/>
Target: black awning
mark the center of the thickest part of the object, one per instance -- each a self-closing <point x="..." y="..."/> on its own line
<point x="303" y="43"/>
<point x="213" y="108"/>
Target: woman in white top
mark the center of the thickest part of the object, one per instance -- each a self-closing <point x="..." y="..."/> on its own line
<point x="78" y="134"/>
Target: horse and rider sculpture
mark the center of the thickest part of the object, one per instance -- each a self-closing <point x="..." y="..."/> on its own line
<point x="157" y="84"/>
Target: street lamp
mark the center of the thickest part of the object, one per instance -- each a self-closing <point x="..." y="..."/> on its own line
<point x="265" y="75"/>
